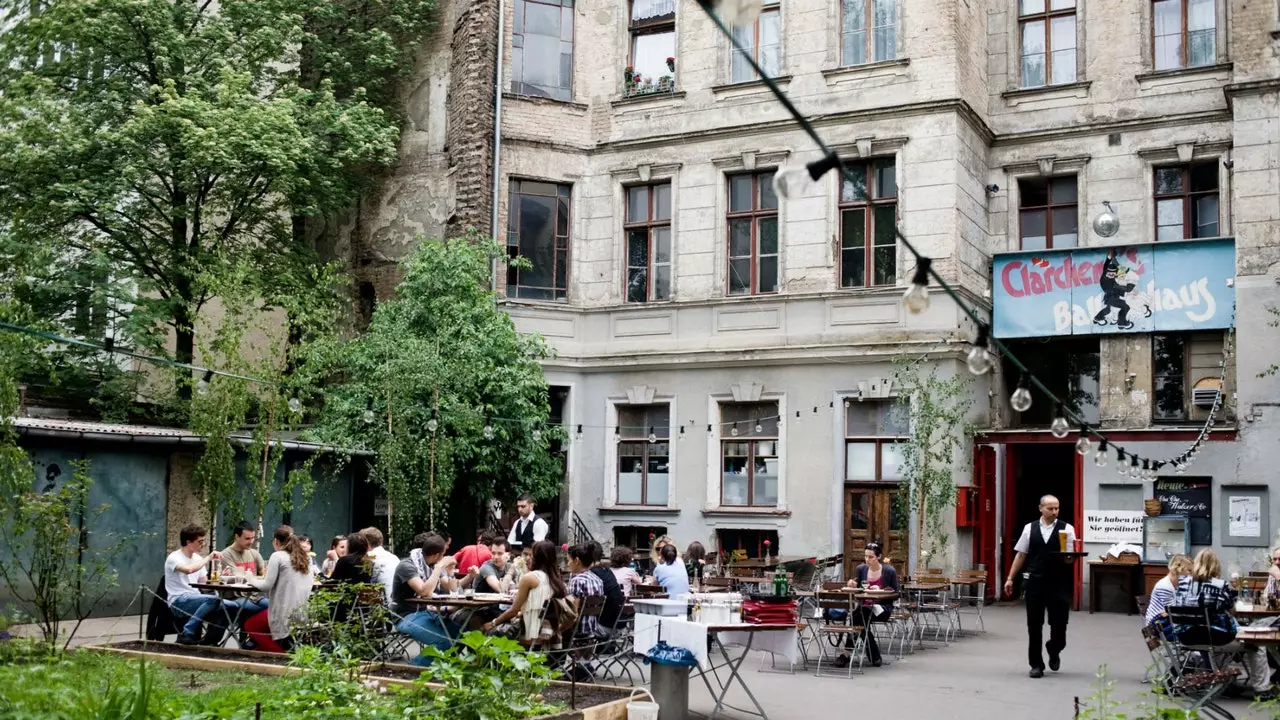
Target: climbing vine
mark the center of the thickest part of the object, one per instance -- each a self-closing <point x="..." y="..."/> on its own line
<point x="937" y="407"/>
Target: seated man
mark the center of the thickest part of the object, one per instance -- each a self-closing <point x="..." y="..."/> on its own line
<point x="245" y="558"/>
<point x="423" y="574"/>
<point x="494" y="573"/>
<point x="191" y="608"/>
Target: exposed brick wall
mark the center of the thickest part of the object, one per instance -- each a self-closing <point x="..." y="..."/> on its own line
<point x="470" y="112"/>
<point x="184" y="506"/>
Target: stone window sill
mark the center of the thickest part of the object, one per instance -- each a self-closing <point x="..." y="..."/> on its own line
<point x="638" y="510"/>
<point x="649" y="99"/>
<point x="749" y="88"/>
<point x="848" y="73"/>
<point x="1161" y="78"/>
<point x="576" y="107"/>
<point x="747" y="511"/>
<point x="1079" y="89"/>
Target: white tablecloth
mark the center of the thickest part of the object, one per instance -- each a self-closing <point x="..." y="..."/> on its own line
<point x="674" y="632"/>
<point x="785" y="643"/>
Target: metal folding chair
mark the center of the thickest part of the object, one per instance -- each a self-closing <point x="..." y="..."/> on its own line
<point x="836" y="633"/>
<point x="1199" y="688"/>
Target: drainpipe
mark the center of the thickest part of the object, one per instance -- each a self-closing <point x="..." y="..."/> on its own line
<point x="497" y="139"/>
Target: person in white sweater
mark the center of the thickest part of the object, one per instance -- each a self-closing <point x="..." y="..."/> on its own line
<point x="287" y="584"/>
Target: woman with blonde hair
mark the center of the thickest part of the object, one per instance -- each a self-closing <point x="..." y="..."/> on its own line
<point x="1162" y="594"/>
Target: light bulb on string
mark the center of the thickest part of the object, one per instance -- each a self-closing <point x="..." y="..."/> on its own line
<point x="739" y="13"/>
<point x="1100" y="459"/>
<point x="488" y="431"/>
<point x="1146" y="469"/>
<point x="653" y="436"/>
<point x="1179" y="467"/>
<point x="980" y="358"/>
<point x="578" y="434"/>
<point x="793" y="182"/>
<point x="759" y="428"/>
<point x="617" y="434"/>
<point x="916" y="298"/>
<point x="432" y="425"/>
<point x="1122" y="468"/>
<point x="1021" y="398"/>
<point x="202" y="387"/>
<point x="710" y="432"/>
<point x="797" y="416"/>
<point x="537" y="435"/>
<point x="847" y="404"/>
<point x="295" y="405"/>
<point x="734" y="431"/>
<point x="682" y="433"/>
<point x="1059" y="427"/>
<point x="1134" y="469"/>
<point x="1083" y="446"/>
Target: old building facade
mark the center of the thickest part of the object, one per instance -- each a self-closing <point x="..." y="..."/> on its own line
<point x="709" y="333"/>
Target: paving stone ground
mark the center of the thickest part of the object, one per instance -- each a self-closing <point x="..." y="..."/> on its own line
<point x="978" y="676"/>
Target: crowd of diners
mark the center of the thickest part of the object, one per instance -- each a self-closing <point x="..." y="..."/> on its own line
<point x="524" y="568"/>
<point x="1199" y="583"/>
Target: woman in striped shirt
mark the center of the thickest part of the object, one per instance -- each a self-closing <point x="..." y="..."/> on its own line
<point x="1162" y="593"/>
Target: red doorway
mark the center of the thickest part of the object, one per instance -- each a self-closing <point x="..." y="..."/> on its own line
<point x="1035" y="469"/>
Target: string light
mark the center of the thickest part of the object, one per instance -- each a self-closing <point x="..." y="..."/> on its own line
<point x="368" y="415"/>
<point x="1133" y="466"/>
<point x="1100" y="459"/>
<point x="795" y="181"/>
<point x="1121" y="468"/>
<point x="711" y="433"/>
<point x="432" y="425"/>
<point x="1021" y="398"/>
<point x="917" y="296"/>
<point x="682" y="433"/>
<point x="488" y="431"/>
<point x="1083" y="446"/>
<point x="202" y="387"/>
<point x="653" y="436"/>
<point x="734" y="431"/>
<point x="295" y="405"/>
<point x="979" y="358"/>
<point x="578" y="434"/>
<point x="617" y="434"/>
<point x="537" y="435"/>
<point x="1059" y="427"/>
<point x="735" y="12"/>
<point x="759" y="428"/>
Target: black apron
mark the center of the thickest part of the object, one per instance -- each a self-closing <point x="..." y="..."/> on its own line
<point x="524" y="532"/>
<point x="1048" y="578"/>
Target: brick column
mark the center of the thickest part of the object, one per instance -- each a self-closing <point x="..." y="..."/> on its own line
<point x="470" y="109"/>
<point x="183" y="505"/>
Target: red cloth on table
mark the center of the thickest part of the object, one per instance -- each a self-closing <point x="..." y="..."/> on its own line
<point x="765" y="613"/>
<point x="260" y="632"/>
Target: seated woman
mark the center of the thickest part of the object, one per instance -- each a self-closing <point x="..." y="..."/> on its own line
<point x="872" y="575"/>
<point x="620" y="564"/>
<point x="695" y="562"/>
<point x="337" y="548"/>
<point x="1273" y="576"/>
<point x="670" y="572"/>
<point x="1204" y="587"/>
<point x="287" y="585"/>
<point x="355" y="566"/>
<point x="537" y="588"/>
<point x="1162" y="594"/>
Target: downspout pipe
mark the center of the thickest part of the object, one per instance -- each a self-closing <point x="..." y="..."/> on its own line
<point x="497" y="140"/>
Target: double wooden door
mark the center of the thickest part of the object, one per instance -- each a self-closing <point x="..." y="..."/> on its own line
<point x="879" y="513"/>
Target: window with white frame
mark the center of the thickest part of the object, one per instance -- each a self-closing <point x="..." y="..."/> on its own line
<point x="1183" y="33"/>
<point x="872" y="431"/>
<point x="762" y="42"/>
<point x="749" y="454"/>
<point x="868" y="31"/>
<point x="644" y="454"/>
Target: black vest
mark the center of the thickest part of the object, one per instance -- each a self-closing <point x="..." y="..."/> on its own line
<point x="1047" y="575"/>
<point x="524" y="534"/>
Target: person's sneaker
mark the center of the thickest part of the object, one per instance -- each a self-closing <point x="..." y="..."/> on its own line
<point x="1036" y="672"/>
<point x="1126" y="325"/>
<point x="1266" y="695"/>
<point x="1055" y="662"/>
<point x="185" y="639"/>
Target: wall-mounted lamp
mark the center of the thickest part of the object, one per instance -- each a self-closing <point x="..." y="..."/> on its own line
<point x="1106" y="223"/>
<point x="992" y="189"/>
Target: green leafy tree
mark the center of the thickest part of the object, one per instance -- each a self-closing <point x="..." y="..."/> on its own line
<point x="438" y="365"/>
<point x="938" y="411"/>
<point x="172" y="140"/>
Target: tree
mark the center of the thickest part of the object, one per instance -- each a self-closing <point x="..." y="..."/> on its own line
<point x="445" y="390"/>
<point x="174" y="139"/>
<point x="938" y="411"/>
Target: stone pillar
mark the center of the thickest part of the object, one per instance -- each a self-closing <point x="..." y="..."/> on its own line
<point x="1124" y="383"/>
<point x="184" y="503"/>
<point x="471" y="120"/>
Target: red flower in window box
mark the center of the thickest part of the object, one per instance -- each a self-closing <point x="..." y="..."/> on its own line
<point x="652" y="536"/>
<point x="671" y="64"/>
<point x="767" y="543"/>
<point x="564" y="546"/>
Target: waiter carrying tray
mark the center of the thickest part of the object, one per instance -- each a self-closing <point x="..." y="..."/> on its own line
<point x="1048" y="584"/>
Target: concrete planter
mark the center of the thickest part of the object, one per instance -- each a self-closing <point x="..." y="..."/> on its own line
<point x="185" y="657"/>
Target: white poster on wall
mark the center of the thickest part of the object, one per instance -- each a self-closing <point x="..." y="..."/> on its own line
<point x="1246" y="516"/>
<point x="1113" y="526"/>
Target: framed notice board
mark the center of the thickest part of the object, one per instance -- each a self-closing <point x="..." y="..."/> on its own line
<point x="1190" y="497"/>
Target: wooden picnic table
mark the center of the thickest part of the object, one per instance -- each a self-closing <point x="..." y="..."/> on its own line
<point x="1254" y="613"/>
<point x="926" y="587"/>
<point x="460" y="601"/>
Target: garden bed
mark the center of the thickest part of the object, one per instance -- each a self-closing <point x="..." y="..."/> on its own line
<point x="197" y="657"/>
<point x="594" y="702"/>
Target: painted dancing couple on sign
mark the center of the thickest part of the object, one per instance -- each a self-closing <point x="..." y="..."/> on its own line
<point x="1115" y="287"/>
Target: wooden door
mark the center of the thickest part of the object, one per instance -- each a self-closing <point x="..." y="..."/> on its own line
<point x="880" y="513"/>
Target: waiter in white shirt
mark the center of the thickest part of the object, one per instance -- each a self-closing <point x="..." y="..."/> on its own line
<point x="1048" y="584"/>
<point x="530" y="528"/>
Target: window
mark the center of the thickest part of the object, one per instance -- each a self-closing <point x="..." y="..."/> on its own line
<point x="868" y="31"/>
<point x="762" y="41"/>
<point x="1048" y="33"/>
<point x="538" y="230"/>
<point x="1187" y="201"/>
<point x="653" y="45"/>
<point x="644" y="454"/>
<point x="1183" y="33"/>
<point x="749" y="454"/>
<point x="872" y="431"/>
<point x="753" y="234"/>
<point x="1169" y="377"/>
<point x="868" y="241"/>
<point x="748" y="544"/>
<point x="542" y="49"/>
<point x="1069" y="367"/>
<point x="1047" y="214"/>
<point x="648" y="231"/>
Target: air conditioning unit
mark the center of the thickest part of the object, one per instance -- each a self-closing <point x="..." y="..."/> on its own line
<point x="1204" y="397"/>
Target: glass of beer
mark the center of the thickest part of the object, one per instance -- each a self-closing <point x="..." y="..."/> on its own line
<point x="1062" y="541"/>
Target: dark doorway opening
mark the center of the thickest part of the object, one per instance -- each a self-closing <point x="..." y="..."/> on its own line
<point x="1036" y="470"/>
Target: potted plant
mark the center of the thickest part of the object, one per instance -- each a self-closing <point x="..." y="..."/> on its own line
<point x="671" y="64"/>
<point x="665" y="83"/>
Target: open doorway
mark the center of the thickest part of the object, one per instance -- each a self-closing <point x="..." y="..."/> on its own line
<point x="1036" y="470"/>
